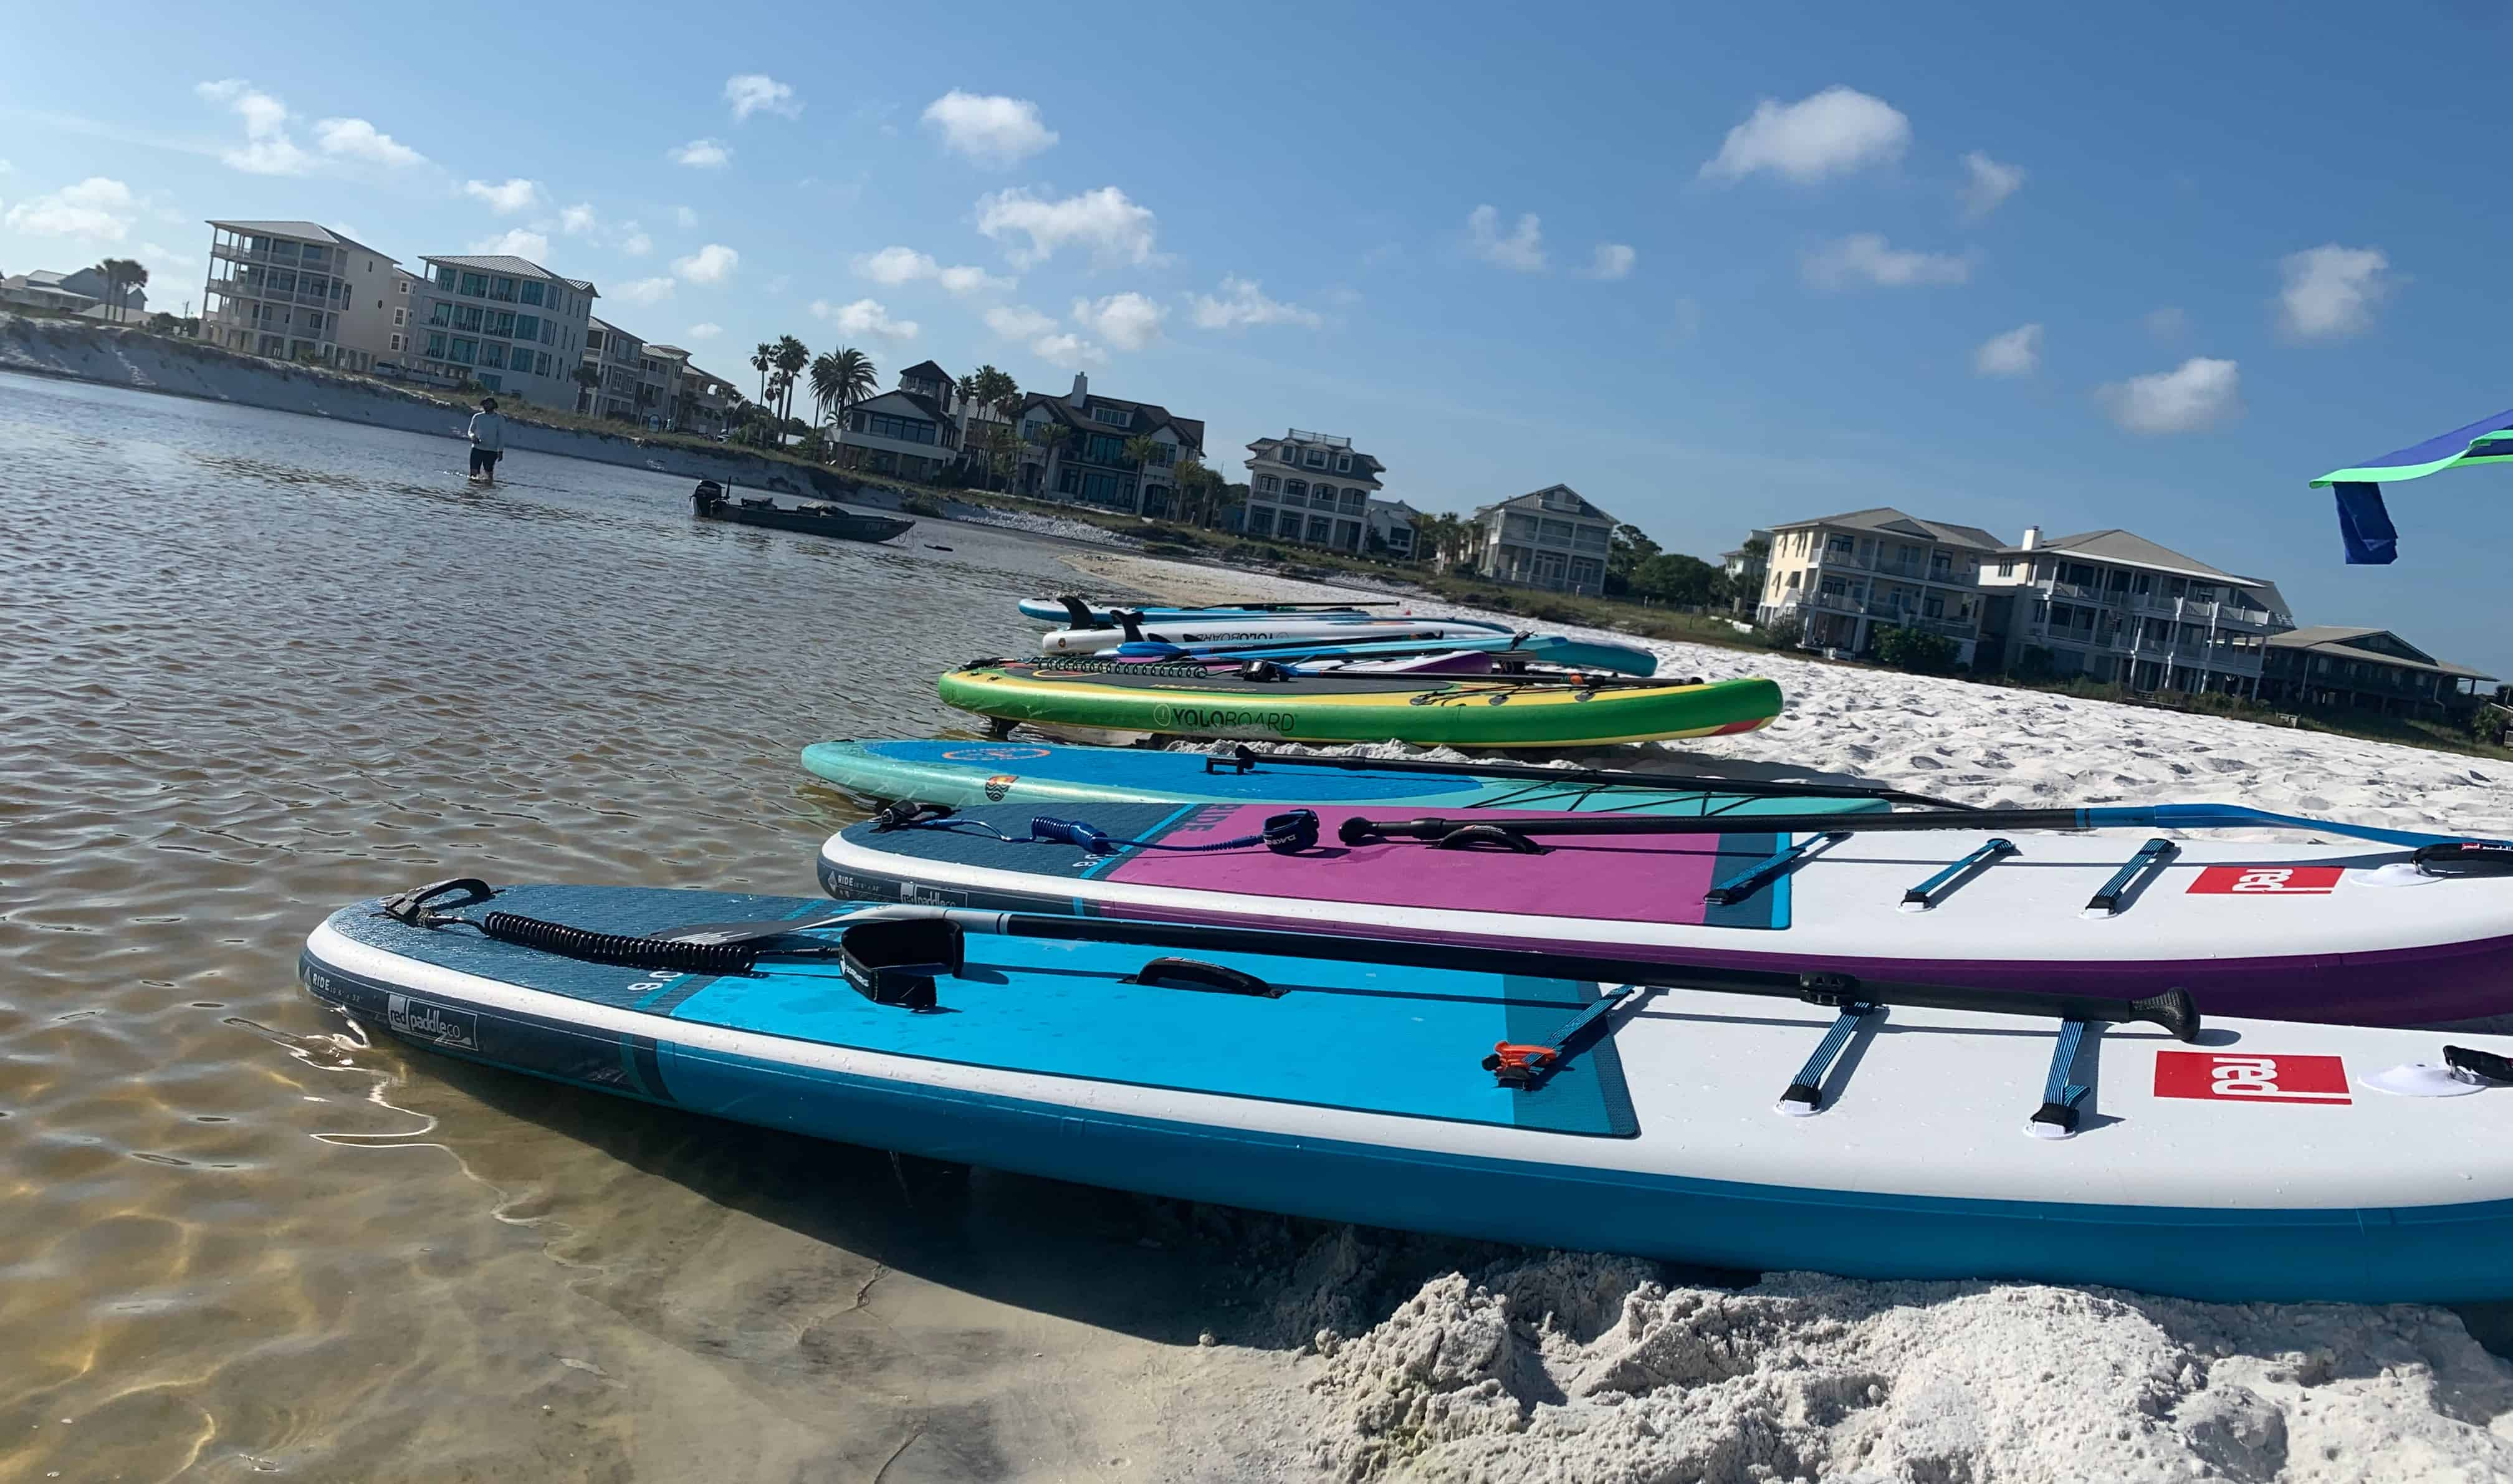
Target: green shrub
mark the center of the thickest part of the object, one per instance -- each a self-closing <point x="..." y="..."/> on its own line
<point x="1917" y="651"/>
<point x="921" y="504"/>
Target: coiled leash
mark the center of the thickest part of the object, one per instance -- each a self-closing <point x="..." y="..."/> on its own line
<point x="434" y="907"/>
<point x="1285" y="834"/>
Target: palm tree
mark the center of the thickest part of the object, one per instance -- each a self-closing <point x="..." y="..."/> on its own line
<point x="988" y="387"/>
<point x="825" y="383"/>
<point x="791" y="357"/>
<point x="590" y="379"/>
<point x="1194" y="494"/>
<point x="761" y="361"/>
<point x="1048" y="437"/>
<point x="852" y="378"/>
<point x="1142" y="451"/>
<point x="999" y="447"/>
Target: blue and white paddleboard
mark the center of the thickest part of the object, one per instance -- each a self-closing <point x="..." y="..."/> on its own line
<point x="1057" y="613"/>
<point x="2263" y="1161"/>
<point x="1505" y="649"/>
<point x="962" y="773"/>
<point x="1267" y="628"/>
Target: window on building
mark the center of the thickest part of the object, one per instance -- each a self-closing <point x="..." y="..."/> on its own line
<point x="1267" y="484"/>
<point x="1295" y="489"/>
<point x="436" y="347"/>
<point x="493" y="354"/>
<point x="401" y="317"/>
<point x="469" y="316"/>
<point x="475" y="285"/>
<point x="1839" y="545"/>
<point x="502" y="323"/>
<point x="401" y="286"/>
<point x="396" y="342"/>
<point x="1354" y="501"/>
<point x="1260" y="522"/>
<point x="1317" y="459"/>
<point x="465" y="351"/>
<point x="1343" y="464"/>
<point x="1320" y="527"/>
<point x="502" y="287"/>
<point x="2007" y="566"/>
<point x="1591" y="537"/>
<point x="492" y="382"/>
<point x="1115" y="417"/>
<point x="540" y="364"/>
<point x="900" y="429"/>
<point x="529" y="293"/>
<point x="528" y="327"/>
<point x="1286" y="453"/>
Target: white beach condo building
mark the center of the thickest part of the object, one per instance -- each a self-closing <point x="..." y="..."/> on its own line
<point x="297" y="291"/>
<point x="506" y="323"/>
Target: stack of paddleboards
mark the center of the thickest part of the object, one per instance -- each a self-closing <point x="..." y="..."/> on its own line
<point x="1760" y="1025"/>
<point x="1328" y="673"/>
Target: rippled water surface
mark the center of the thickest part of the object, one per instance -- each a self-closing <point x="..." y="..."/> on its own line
<point x="252" y="665"/>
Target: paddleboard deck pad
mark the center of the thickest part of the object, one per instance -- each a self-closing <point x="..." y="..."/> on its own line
<point x="960" y="773"/>
<point x="2349" y="933"/>
<point x="2259" y="1161"/>
<point x="1428" y="711"/>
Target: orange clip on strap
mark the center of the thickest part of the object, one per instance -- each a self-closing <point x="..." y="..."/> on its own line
<point x="1506" y="1054"/>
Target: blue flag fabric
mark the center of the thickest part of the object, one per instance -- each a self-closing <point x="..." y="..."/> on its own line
<point x="2364" y="526"/>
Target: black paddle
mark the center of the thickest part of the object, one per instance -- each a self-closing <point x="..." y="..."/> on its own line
<point x="1515" y="834"/>
<point x="736" y="947"/>
<point x="1244" y="759"/>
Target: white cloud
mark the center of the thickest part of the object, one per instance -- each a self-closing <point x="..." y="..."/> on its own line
<point x="711" y="264"/>
<point x="1115" y="230"/>
<point x="685" y="217"/>
<point x="644" y="290"/>
<point x="517" y="242"/>
<point x="1867" y="256"/>
<point x="1988" y="182"/>
<point x="577" y="219"/>
<point x="1068" y="350"/>
<point x="895" y="265"/>
<point x="1522" y="249"/>
<point x="98" y="209"/>
<point x="752" y="93"/>
<point x="636" y="244"/>
<point x="701" y="154"/>
<point x="357" y="139"/>
<point x="1129" y="320"/>
<point x="1831" y="132"/>
<point x="1242" y="302"/>
<point x="505" y="200"/>
<point x="1019" y="322"/>
<point x="990" y="129"/>
<point x="1612" y="261"/>
<point x="2196" y="394"/>
<point x="864" y="316"/>
<point x="2330" y="292"/>
<point x="2017" y="353"/>
<point x="6" y="167"/>
<point x="703" y="330"/>
<point x="162" y="257"/>
<point x="2168" y="324"/>
<point x="267" y="149"/>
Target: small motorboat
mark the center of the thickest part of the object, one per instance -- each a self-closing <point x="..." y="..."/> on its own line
<point x="711" y="501"/>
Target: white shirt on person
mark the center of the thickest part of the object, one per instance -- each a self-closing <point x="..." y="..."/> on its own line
<point x="489" y="431"/>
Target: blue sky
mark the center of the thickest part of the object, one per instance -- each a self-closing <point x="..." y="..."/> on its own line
<point x="2139" y="265"/>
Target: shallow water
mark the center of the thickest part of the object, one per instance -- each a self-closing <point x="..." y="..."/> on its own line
<point x="252" y="665"/>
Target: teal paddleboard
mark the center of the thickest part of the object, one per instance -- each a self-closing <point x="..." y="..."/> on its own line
<point x="962" y="773"/>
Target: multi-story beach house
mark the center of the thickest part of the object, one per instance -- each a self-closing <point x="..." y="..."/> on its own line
<point x="506" y="323"/>
<point x="617" y="357"/>
<point x="83" y="291"/>
<point x="1548" y="538"/>
<point x="296" y="290"/>
<point x="1089" y="462"/>
<point x="2115" y="607"/>
<point x="1841" y="579"/>
<point x="706" y="401"/>
<point x="2331" y="667"/>
<point x="1391" y="527"/>
<point x="660" y="372"/>
<point x="380" y="330"/>
<point x="912" y="430"/>
<point x="1746" y="567"/>
<point x="1312" y="490"/>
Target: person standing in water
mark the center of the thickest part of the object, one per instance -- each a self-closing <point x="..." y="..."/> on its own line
<point x="488" y="434"/>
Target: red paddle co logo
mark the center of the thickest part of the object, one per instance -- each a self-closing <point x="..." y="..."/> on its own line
<point x="2266" y="881"/>
<point x="2250" y="1077"/>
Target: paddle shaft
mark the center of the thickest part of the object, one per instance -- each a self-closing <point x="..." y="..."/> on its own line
<point x="1359" y="830"/>
<point x="1612" y="778"/>
<point x="2171" y="1009"/>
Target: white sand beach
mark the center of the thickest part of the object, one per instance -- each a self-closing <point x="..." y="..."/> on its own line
<point x="1583" y="1368"/>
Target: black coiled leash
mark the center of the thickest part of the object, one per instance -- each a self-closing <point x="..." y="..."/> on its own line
<point x="436" y="904"/>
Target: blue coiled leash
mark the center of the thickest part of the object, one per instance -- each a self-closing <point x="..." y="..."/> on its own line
<point x="1286" y="833"/>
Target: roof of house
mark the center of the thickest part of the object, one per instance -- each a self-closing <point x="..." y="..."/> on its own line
<point x="1151" y="414"/>
<point x="668" y="351"/>
<point x="1258" y="448"/>
<point x="923" y="404"/>
<point x="1886" y="520"/>
<point x="927" y="371"/>
<point x="310" y="232"/>
<point x="2129" y="549"/>
<point x="599" y="322"/>
<point x="1538" y="497"/>
<point x="501" y="262"/>
<point x="2339" y="639"/>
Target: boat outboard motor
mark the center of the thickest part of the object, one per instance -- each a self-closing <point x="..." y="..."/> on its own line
<point x="707" y="498"/>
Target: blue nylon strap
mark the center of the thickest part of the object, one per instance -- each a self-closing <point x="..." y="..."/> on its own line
<point x="1807" y="1087"/>
<point x="1762" y="873"/>
<point x="2154" y="853"/>
<point x="1928" y="893"/>
<point x="1294" y="831"/>
<point x="2057" y="1088"/>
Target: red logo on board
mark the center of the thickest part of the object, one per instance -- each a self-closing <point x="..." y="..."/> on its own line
<point x="2250" y="1078"/>
<point x="1000" y="784"/>
<point x="2267" y="881"/>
